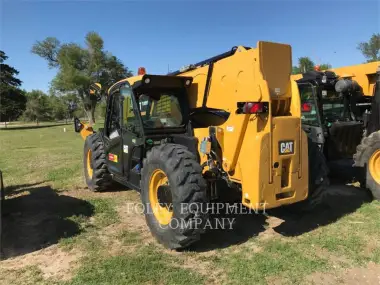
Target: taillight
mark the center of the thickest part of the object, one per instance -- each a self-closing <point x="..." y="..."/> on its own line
<point x="252" y="107"/>
<point x="306" y="107"/>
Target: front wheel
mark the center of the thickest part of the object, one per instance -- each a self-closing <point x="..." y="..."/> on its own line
<point x="368" y="156"/>
<point x="173" y="192"/>
<point x="96" y="172"/>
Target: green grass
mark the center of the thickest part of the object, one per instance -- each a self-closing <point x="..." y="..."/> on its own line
<point x="129" y="237"/>
<point x="103" y="216"/>
<point x="147" y="266"/>
<point x="29" y="275"/>
<point x="276" y="259"/>
<point x="46" y="154"/>
<point x="113" y="251"/>
<point x="105" y="213"/>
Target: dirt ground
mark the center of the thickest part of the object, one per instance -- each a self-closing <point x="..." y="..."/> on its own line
<point x="36" y="221"/>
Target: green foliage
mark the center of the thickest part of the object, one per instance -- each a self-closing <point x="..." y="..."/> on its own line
<point x="305" y="64"/>
<point x="79" y="67"/>
<point x="325" y="66"/>
<point x="38" y="107"/>
<point x="295" y="70"/>
<point x="58" y="107"/>
<point x="371" y="49"/>
<point x="8" y="73"/>
<point x="101" y="110"/>
<point x="12" y="98"/>
<point x="12" y="103"/>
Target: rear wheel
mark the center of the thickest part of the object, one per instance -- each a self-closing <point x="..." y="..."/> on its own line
<point x="173" y="192"/>
<point x="96" y="172"/>
<point x="368" y="156"/>
<point x="318" y="179"/>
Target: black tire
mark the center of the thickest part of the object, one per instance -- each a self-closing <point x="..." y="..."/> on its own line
<point x="100" y="179"/>
<point x="188" y="195"/>
<point x="367" y="147"/>
<point x="318" y="180"/>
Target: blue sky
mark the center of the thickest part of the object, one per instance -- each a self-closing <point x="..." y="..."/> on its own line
<point x="155" y="34"/>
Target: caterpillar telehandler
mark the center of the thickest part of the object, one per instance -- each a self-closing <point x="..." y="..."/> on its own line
<point x="337" y="113"/>
<point x="234" y="117"/>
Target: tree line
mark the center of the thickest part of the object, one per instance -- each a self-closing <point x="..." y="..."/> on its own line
<point x="370" y="50"/>
<point x="78" y="67"/>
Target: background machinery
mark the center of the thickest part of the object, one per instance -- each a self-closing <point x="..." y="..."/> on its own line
<point x="368" y="151"/>
<point x="235" y="117"/>
<point x="337" y="112"/>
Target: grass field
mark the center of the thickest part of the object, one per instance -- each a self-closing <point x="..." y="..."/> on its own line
<point x="58" y="232"/>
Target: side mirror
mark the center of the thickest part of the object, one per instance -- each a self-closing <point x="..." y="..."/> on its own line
<point x="95" y="90"/>
<point x="78" y="126"/>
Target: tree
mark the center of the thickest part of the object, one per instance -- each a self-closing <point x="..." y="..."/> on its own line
<point x="371" y="49"/>
<point x="296" y="70"/>
<point x="12" y="98"/>
<point x="325" y="66"/>
<point x="12" y="103"/>
<point x="59" y="110"/>
<point x="38" y="107"/>
<point x="8" y="73"/>
<point x="79" y="67"/>
<point x="304" y="64"/>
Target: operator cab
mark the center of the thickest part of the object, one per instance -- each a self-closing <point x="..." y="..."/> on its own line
<point x="329" y="114"/>
<point x="146" y="113"/>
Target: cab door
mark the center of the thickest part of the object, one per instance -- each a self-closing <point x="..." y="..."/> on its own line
<point x="113" y="134"/>
<point x="310" y="113"/>
<point x="132" y="137"/>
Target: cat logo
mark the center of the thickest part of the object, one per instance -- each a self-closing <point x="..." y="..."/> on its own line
<point x="286" y="147"/>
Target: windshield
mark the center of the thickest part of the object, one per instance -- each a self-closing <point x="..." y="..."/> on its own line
<point x="333" y="106"/>
<point x="160" y="110"/>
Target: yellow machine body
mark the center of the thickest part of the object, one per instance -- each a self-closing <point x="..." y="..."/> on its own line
<point x="364" y="74"/>
<point x="251" y="143"/>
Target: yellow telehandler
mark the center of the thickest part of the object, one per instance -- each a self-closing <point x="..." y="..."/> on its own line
<point x="234" y="117"/>
<point x="340" y="112"/>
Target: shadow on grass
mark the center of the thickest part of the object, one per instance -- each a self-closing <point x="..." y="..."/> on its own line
<point x="36" y="217"/>
<point x="245" y="223"/>
<point x="11" y="128"/>
<point x="16" y="189"/>
<point x="335" y="202"/>
<point x="244" y="227"/>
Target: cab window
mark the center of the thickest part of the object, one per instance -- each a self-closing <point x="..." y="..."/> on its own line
<point x="309" y="108"/>
<point x="128" y="114"/>
<point x="113" y="124"/>
<point x="160" y="110"/>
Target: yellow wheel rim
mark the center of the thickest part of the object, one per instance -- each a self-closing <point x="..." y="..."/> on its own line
<point x="163" y="212"/>
<point x="374" y="166"/>
<point x="89" y="164"/>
